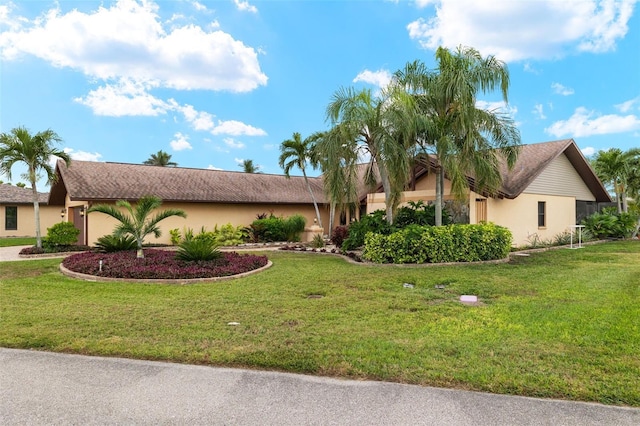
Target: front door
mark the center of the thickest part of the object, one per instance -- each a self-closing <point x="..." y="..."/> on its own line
<point x="79" y="223"/>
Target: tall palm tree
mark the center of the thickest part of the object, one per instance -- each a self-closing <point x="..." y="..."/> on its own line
<point x="136" y="221"/>
<point x="247" y="166"/>
<point x="160" y="158"/>
<point x="463" y="139"/>
<point x="36" y="151"/>
<point x="296" y="152"/>
<point x="372" y="127"/>
<point x="615" y="168"/>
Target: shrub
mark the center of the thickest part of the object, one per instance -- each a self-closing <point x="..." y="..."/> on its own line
<point x="175" y="236"/>
<point x="427" y="244"/>
<point x="111" y="243"/>
<point x="229" y="235"/>
<point x="610" y="224"/>
<point x="198" y="249"/>
<point x="276" y="229"/>
<point x="294" y="226"/>
<point x="62" y="234"/>
<point x="419" y="213"/>
<point x="339" y="234"/>
<point x="317" y="241"/>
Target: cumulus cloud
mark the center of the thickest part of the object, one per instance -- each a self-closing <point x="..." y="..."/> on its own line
<point x="380" y="78"/>
<point x="520" y="30"/>
<point x="587" y="123"/>
<point x="236" y="128"/>
<point x="245" y="6"/>
<point x="128" y="41"/>
<point x="588" y="151"/>
<point x="562" y="90"/>
<point x="82" y="155"/>
<point x="628" y="105"/>
<point x="212" y="167"/>
<point x="180" y="142"/>
<point x="538" y="111"/>
<point x="124" y="98"/>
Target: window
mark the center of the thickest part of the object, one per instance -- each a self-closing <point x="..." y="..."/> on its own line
<point x="11" y="218"/>
<point x="481" y="210"/>
<point x="542" y="207"/>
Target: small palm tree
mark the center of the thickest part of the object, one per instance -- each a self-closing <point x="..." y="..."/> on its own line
<point x="296" y="152"/>
<point x="137" y="222"/>
<point x="248" y="167"/>
<point x="36" y="151"/>
<point x="162" y="159"/>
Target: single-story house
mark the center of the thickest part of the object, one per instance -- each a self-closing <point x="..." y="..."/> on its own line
<point x="551" y="188"/>
<point x="209" y="197"/>
<point x="16" y="207"/>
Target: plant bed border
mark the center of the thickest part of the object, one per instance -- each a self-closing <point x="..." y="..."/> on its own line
<point x="177" y="281"/>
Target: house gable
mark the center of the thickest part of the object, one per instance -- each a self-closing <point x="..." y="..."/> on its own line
<point x="559" y="177"/>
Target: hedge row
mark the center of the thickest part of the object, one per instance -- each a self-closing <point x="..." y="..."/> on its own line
<point x="439" y="244"/>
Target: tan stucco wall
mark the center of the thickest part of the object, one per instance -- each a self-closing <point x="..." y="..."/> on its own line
<point x="207" y="215"/>
<point x="49" y="216"/>
<point x="521" y="216"/>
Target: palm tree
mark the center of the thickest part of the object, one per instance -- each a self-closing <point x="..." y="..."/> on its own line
<point x="371" y="126"/>
<point x="296" y="152"/>
<point x="247" y="166"/>
<point x="136" y="222"/>
<point x="463" y="139"/>
<point x="160" y="158"/>
<point x="615" y="167"/>
<point x="36" y="151"/>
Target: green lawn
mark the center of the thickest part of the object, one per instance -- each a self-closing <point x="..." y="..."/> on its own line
<point x="560" y="324"/>
<point x="17" y="241"/>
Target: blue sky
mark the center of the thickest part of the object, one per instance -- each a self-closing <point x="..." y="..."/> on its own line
<point x="216" y="82"/>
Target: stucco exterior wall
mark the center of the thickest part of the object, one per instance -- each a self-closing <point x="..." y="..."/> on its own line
<point x="49" y="216"/>
<point x="207" y="215"/>
<point x="521" y="216"/>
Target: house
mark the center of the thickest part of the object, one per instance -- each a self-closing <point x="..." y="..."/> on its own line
<point x="16" y="207"/>
<point x="551" y="188"/>
<point x="209" y="197"/>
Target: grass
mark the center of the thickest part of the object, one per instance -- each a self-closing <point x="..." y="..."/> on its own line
<point x="558" y="324"/>
<point x="17" y="241"/>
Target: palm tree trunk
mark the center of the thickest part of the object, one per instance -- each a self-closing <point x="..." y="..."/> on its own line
<point x="386" y="186"/>
<point x="439" y="195"/>
<point x="332" y="218"/>
<point x="36" y="209"/>
<point x="315" y="204"/>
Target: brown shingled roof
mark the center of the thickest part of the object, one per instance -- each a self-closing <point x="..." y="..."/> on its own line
<point x="94" y="181"/>
<point x="10" y="194"/>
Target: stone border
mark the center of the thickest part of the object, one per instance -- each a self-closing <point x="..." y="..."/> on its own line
<point x="95" y="278"/>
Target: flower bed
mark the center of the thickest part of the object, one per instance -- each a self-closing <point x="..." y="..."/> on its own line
<point x="160" y="264"/>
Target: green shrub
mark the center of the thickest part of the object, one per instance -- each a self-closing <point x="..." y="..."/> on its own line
<point x="197" y="249"/>
<point x="175" y="236"/>
<point x="229" y="235"/>
<point x="294" y="226"/>
<point x="317" y="241"/>
<point x="61" y="234"/>
<point x="111" y="243"/>
<point x="610" y="224"/>
<point x="275" y="228"/>
<point x="429" y="244"/>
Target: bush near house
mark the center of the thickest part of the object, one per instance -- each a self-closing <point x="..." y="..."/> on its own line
<point x="273" y="228"/>
<point x="611" y="224"/>
<point x="61" y="234"/>
<point x="431" y="244"/>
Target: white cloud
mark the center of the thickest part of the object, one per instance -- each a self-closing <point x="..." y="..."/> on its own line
<point x="236" y="128"/>
<point x="199" y="6"/>
<point x="231" y="143"/>
<point x="212" y="167"/>
<point x="628" y="105"/>
<point x="380" y="78"/>
<point x="125" y="98"/>
<point x="498" y="106"/>
<point x="180" y="143"/>
<point x="562" y="90"/>
<point x="538" y="111"/>
<point x="245" y="6"/>
<point x="199" y="120"/>
<point x="519" y="30"/>
<point x="529" y="68"/>
<point x="238" y="160"/>
<point x="128" y="41"/>
<point x="587" y="123"/>
<point x="82" y="155"/>
<point x="588" y="151"/>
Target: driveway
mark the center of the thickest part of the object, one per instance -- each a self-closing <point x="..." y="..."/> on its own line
<point x="42" y="388"/>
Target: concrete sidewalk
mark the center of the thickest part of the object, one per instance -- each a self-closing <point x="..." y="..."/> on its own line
<point x="41" y="388"/>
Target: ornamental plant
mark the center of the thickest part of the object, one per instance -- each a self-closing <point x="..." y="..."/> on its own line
<point x="61" y="234"/>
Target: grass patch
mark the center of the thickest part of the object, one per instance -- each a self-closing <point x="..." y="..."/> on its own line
<point x="558" y="324"/>
<point x="17" y="241"/>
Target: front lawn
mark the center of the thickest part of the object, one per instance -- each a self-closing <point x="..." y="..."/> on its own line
<point x="558" y="324"/>
<point x="17" y="241"/>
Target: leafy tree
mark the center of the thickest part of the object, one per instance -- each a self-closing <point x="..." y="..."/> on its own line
<point x="36" y="151"/>
<point x="296" y="152"/>
<point x="136" y="221"/>
<point x="247" y="166"/>
<point x="160" y="158"/>
<point x="617" y="169"/>
<point x="463" y="139"/>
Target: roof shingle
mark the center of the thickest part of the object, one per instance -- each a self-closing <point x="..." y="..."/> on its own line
<point x="10" y="194"/>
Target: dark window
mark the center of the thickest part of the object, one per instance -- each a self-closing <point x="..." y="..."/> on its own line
<point x="11" y="218"/>
<point x="542" y="207"/>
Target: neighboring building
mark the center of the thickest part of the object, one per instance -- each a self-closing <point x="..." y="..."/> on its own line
<point x="209" y="197"/>
<point x="18" y="219"/>
<point x="551" y="188"/>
